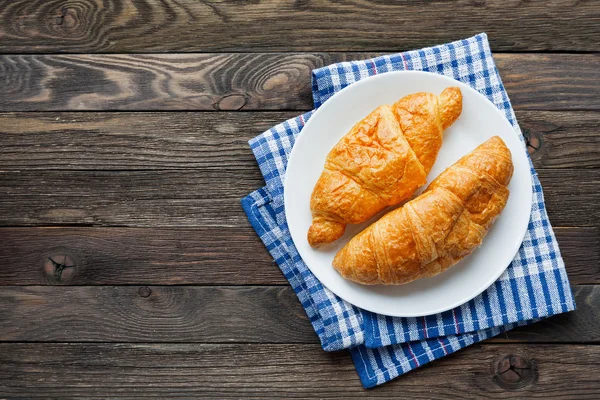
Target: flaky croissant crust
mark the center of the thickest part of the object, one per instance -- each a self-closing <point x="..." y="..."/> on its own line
<point x="431" y="233"/>
<point x="381" y="162"/>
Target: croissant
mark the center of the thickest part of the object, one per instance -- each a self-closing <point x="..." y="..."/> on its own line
<point x="381" y="162"/>
<point x="434" y="231"/>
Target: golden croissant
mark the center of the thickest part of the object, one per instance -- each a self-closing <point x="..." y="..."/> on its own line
<point x="431" y="233"/>
<point x="381" y="162"/>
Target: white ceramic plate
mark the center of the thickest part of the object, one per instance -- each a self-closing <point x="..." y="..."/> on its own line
<point x="479" y="121"/>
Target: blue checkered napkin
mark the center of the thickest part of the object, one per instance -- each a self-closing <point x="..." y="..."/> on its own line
<point x="534" y="286"/>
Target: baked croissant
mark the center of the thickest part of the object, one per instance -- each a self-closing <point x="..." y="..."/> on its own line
<point x="381" y="162"/>
<point x="431" y="233"/>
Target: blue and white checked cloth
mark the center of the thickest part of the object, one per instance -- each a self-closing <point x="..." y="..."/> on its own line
<point x="534" y="286"/>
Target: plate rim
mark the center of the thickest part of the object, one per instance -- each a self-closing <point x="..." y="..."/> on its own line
<point x="323" y="108"/>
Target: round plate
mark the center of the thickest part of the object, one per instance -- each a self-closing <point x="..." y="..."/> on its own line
<point x="479" y="121"/>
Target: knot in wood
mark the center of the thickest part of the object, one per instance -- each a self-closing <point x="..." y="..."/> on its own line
<point x="232" y="102"/>
<point x="66" y="18"/>
<point x="515" y="372"/>
<point x="144" y="291"/>
<point x="60" y="266"/>
<point x="533" y="141"/>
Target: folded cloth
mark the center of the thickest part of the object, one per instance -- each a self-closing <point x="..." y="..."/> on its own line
<point x="534" y="286"/>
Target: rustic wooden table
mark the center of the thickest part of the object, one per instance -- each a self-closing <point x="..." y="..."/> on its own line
<point x="128" y="268"/>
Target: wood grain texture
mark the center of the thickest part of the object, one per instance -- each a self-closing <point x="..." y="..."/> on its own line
<point x="279" y="371"/>
<point x="153" y="314"/>
<point x="583" y="266"/>
<point x="133" y="256"/>
<point x="246" y="81"/>
<point x="565" y="192"/>
<point x="181" y="140"/>
<point x="144" y="256"/>
<point x="150" y="201"/>
<point x="125" y="141"/>
<point x="207" y="197"/>
<point x="564" y="139"/>
<point x="127" y="198"/>
<point x="209" y="315"/>
<point x="158" y="82"/>
<point x="88" y="26"/>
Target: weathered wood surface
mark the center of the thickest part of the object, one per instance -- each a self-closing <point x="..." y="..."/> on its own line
<point x="565" y="192"/>
<point x="132" y="256"/>
<point x="562" y="139"/>
<point x="42" y="370"/>
<point x="88" y="26"/>
<point x="126" y="198"/>
<point x="153" y="314"/>
<point x="126" y="141"/>
<point x="182" y="140"/>
<point x="246" y="81"/>
<point x="150" y="200"/>
<point x="207" y="197"/>
<point x="146" y="256"/>
<point x="255" y="314"/>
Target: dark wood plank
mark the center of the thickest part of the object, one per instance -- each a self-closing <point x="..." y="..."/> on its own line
<point x="251" y="81"/>
<point x="134" y="256"/>
<point x="552" y="86"/>
<point x="209" y="315"/>
<point x="159" y="82"/>
<point x="207" y="196"/>
<point x="563" y="139"/>
<point x="125" y="141"/>
<point x="144" y="256"/>
<point x="186" y="25"/>
<point x="583" y="266"/>
<point x="564" y="193"/>
<point x="153" y="314"/>
<point x="281" y="371"/>
<point x="164" y="140"/>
